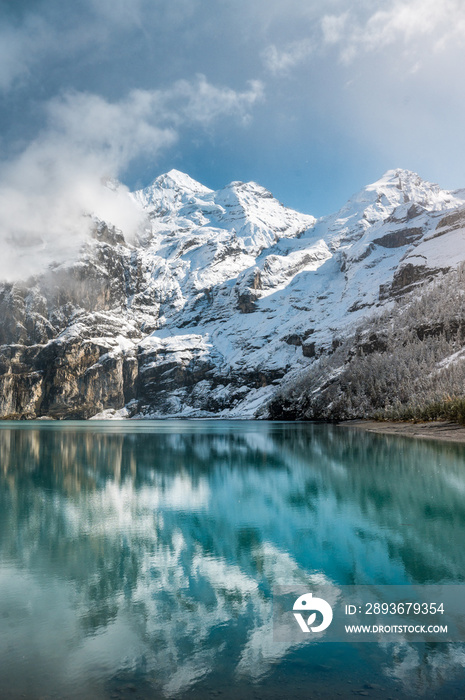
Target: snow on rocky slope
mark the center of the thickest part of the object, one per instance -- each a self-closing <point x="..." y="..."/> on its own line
<point x="224" y="295"/>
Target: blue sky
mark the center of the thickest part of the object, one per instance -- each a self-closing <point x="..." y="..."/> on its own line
<point x="312" y="99"/>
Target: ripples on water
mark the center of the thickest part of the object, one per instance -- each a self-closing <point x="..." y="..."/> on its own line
<point x="137" y="559"/>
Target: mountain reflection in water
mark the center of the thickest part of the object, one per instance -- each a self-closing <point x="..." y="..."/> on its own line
<point x="139" y="557"/>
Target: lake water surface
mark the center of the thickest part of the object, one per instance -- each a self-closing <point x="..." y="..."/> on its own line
<point x="138" y="559"/>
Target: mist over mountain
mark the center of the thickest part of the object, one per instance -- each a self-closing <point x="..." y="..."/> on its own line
<point x="226" y="303"/>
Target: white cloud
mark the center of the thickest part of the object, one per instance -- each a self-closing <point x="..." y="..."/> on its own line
<point x="281" y="60"/>
<point x="60" y="177"/>
<point x="372" y="27"/>
<point x="201" y="102"/>
<point x="333" y="27"/>
<point x="408" y="22"/>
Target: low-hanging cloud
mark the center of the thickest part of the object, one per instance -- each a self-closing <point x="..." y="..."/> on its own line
<point x="50" y="191"/>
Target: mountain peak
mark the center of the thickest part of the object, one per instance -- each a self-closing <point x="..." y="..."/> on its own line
<point x="400" y="179"/>
<point x="238" y="192"/>
<point x="395" y="188"/>
<point x="179" y="180"/>
<point x="169" y="191"/>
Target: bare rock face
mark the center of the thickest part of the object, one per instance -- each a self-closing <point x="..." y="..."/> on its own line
<point x="59" y="353"/>
<point x="399" y="237"/>
<point x="75" y="378"/>
<point x="223" y="297"/>
<point x="21" y="388"/>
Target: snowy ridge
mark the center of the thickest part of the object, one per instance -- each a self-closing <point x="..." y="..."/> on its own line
<point x="229" y="293"/>
<point x="277" y="300"/>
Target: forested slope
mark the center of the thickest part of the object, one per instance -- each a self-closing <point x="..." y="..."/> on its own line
<point x="406" y="363"/>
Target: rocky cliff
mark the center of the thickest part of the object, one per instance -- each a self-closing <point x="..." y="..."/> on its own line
<point x="223" y="297"/>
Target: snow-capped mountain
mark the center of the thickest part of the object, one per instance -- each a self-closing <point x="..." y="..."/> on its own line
<point x="224" y="296"/>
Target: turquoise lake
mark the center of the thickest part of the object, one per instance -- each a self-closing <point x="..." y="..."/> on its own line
<point x="138" y="559"/>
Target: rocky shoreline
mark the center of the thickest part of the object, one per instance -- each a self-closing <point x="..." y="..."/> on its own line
<point x="432" y="430"/>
